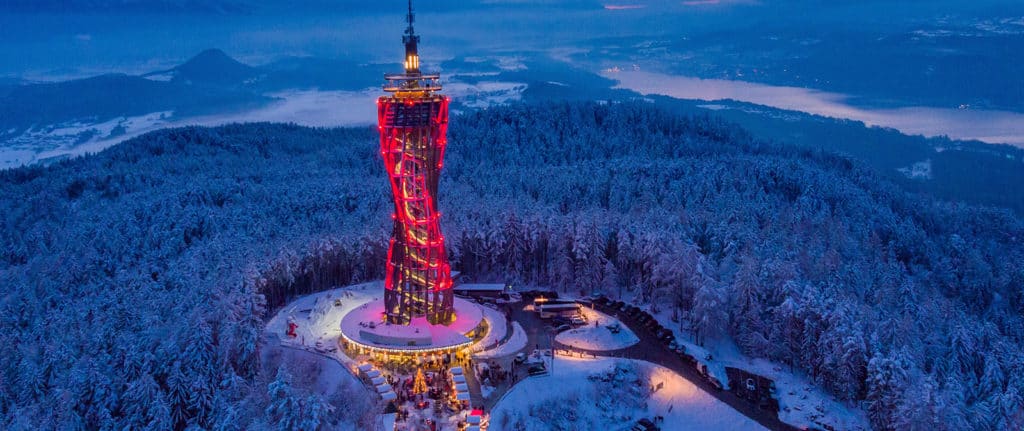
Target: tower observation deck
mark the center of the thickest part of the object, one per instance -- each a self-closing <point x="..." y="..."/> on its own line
<point x="413" y="123"/>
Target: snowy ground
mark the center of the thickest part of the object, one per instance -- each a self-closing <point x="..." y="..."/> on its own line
<point x="497" y="323"/>
<point x="514" y="344"/>
<point x="319" y="319"/>
<point x="598" y="337"/>
<point x="568" y="399"/>
<point x="801" y="403"/>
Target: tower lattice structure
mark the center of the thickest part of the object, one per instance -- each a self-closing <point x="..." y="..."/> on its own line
<point x="413" y="124"/>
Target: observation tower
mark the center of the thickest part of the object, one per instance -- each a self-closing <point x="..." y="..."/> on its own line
<point x="417" y="316"/>
<point x="413" y="124"/>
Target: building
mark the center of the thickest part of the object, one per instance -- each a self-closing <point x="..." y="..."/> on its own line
<point x="482" y="290"/>
<point x="413" y="123"/>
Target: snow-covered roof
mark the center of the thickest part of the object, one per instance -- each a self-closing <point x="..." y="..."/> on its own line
<point x="373" y="373"/>
<point x="462" y="396"/>
<point x="365" y="367"/>
<point x="488" y="287"/>
<point x="459" y="379"/>
<point x="461" y="387"/>
<point x="456" y="370"/>
<point x="473" y="420"/>
<point x="365" y="325"/>
<point x="388" y="421"/>
<point x="377" y="381"/>
<point x="383" y="388"/>
<point x="388" y="396"/>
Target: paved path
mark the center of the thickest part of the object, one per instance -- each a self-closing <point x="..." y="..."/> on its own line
<point x="476" y="397"/>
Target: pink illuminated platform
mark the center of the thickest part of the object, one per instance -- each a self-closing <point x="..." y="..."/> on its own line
<point x="365" y="327"/>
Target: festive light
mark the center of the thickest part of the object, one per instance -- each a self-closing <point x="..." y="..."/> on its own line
<point x="413" y="124"/>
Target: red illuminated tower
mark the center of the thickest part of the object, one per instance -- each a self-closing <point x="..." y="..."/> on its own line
<point x="413" y="123"/>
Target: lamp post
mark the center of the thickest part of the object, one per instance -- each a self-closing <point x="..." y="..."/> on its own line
<point x="551" y="343"/>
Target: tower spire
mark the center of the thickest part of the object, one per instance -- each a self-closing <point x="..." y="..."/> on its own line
<point x="410" y="39"/>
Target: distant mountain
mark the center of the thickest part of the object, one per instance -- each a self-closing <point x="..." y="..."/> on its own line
<point x="211" y="67"/>
<point x="258" y="6"/>
<point x="109" y="96"/>
<point x="93" y="6"/>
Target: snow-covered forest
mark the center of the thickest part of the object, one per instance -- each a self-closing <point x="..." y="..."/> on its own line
<point x="136" y="280"/>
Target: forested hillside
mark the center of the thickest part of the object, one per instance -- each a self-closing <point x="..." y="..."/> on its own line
<point x="136" y="279"/>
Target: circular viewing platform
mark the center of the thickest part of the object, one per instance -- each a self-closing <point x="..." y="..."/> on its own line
<point x="365" y="328"/>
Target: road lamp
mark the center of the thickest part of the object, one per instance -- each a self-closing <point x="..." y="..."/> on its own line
<point x="551" y="343"/>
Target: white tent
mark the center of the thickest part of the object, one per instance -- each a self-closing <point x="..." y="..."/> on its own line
<point x="365" y="368"/>
<point x="388" y="420"/>
<point x="473" y="420"/>
<point x="462" y="396"/>
<point x="383" y="388"/>
<point x="461" y="387"/>
<point x="373" y="373"/>
<point x="377" y="381"/>
<point x="456" y="371"/>
<point x="472" y="428"/>
<point x="459" y="379"/>
<point x="388" y="396"/>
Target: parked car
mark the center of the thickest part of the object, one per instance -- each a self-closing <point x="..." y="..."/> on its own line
<point x="537" y="369"/>
<point x="688" y="359"/>
<point x="673" y="345"/>
<point x="647" y="425"/>
<point x="714" y="382"/>
<point x="520" y="358"/>
<point x="561" y="328"/>
<point x="770" y="404"/>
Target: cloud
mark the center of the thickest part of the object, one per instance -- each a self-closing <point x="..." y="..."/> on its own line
<point x="624" y="6"/>
<point x="716" y="2"/>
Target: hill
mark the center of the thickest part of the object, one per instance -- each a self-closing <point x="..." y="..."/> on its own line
<point x="213" y="67"/>
<point x="146" y="269"/>
<point x="104" y="97"/>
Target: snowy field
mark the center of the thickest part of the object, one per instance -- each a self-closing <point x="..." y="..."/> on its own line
<point x="570" y="398"/>
<point x="598" y="337"/>
<point x="801" y="403"/>
<point x="319" y="319"/>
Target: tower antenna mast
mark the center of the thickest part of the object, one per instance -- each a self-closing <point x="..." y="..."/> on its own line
<point x="411" y="40"/>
